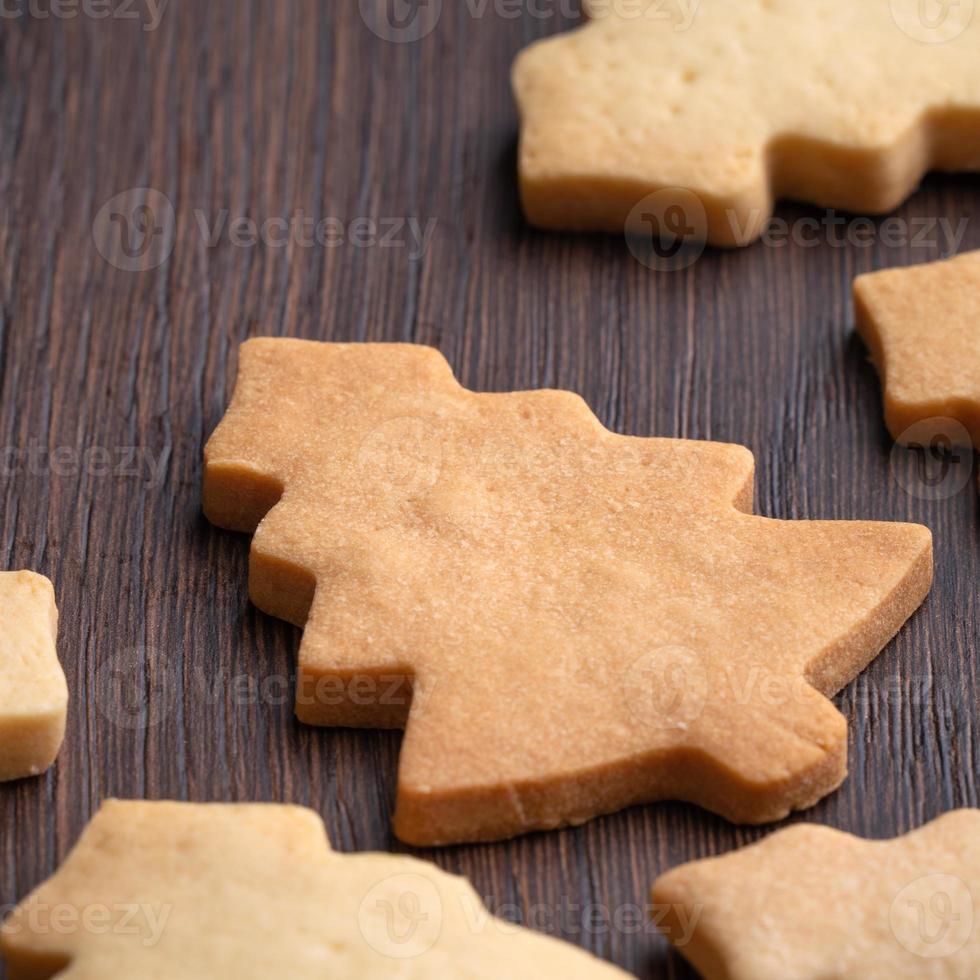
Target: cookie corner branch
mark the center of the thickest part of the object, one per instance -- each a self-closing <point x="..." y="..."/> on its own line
<point x="810" y="902"/>
<point x="921" y="325"/>
<point x="33" y="689"/>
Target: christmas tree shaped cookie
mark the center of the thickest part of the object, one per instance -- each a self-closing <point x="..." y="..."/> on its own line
<point x="922" y="326"/>
<point x="187" y="892"/>
<point x="720" y="107"/>
<point x="565" y="620"/>
<point x="811" y="903"/>
<point x="33" y="692"/>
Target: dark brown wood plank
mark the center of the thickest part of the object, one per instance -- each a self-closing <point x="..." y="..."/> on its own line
<point x="263" y="110"/>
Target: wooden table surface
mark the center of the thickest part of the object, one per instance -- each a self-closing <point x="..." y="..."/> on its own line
<point x="117" y="363"/>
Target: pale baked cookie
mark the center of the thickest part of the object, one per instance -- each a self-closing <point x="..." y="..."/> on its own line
<point x="811" y="903"/>
<point x="33" y="692"/>
<point x="841" y="103"/>
<point x="922" y="326"/>
<point x="578" y="620"/>
<point x="188" y="891"/>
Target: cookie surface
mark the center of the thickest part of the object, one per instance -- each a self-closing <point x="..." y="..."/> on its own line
<point x="837" y="103"/>
<point x="181" y="891"/>
<point x="922" y="327"/>
<point x="811" y="903"/>
<point x="33" y="691"/>
<point x="568" y="620"/>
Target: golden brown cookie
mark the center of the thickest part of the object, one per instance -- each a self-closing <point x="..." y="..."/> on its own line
<point x="811" y="903"/>
<point x="922" y="326"/>
<point x="723" y="106"/>
<point x="577" y="620"/>
<point x="184" y="891"/>
<point x="33" y="691"/>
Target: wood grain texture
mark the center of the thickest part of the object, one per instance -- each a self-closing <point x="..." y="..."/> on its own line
<point x="266" y="109"/>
